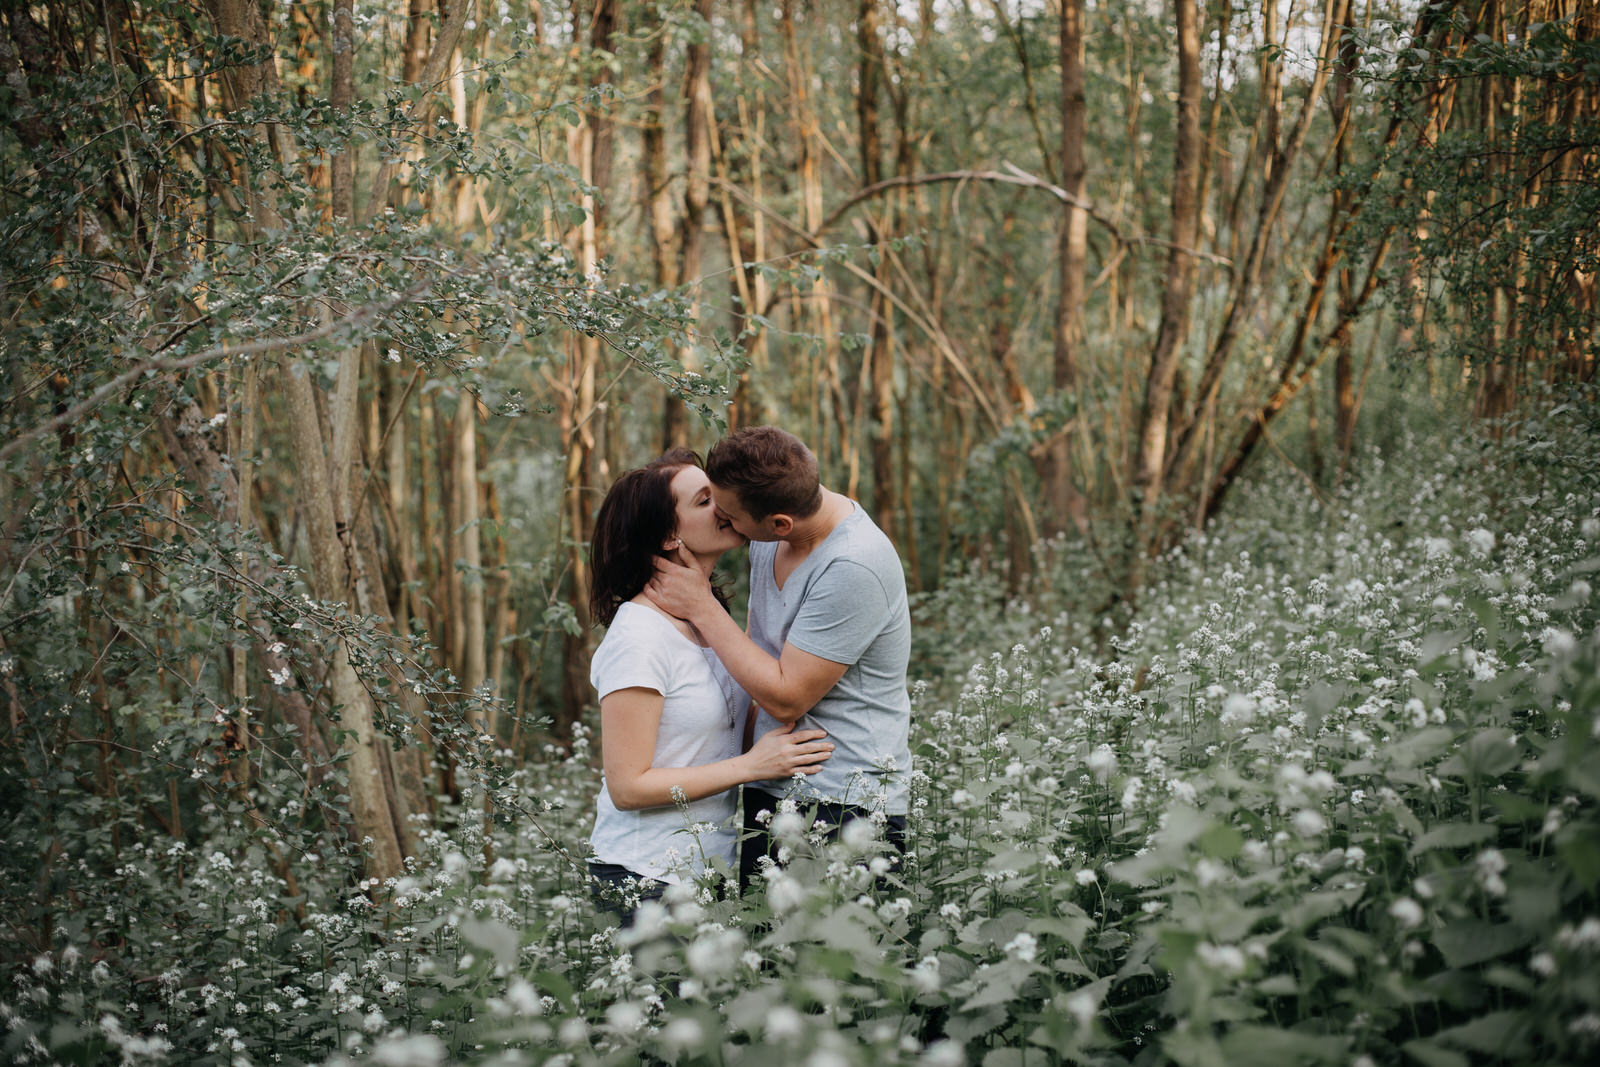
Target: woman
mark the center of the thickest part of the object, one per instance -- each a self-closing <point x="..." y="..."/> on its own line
<point x="671" y="717"/>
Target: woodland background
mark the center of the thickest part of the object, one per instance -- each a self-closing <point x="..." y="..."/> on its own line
<point x="325" y="328"/>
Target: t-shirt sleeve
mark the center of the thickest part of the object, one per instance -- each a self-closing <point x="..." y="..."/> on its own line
<point x="844" y="610"/>
<point x="627" y="661"/>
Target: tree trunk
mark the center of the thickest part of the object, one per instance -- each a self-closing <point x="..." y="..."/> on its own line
<point x="1176" y="288"/>
<point x="1064" y="504"/>
<point x="879" y="354"/>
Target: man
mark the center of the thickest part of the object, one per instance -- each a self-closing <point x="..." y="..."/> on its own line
<point x="830" y="632"/>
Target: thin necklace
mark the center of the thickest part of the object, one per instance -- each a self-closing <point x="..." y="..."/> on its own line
<point x="725" y="683"/>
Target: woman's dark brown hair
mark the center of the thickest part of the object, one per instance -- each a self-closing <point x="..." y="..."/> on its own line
<point x="636" y="518"/>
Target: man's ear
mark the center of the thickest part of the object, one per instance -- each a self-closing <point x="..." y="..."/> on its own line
<point x="782" y="525"/>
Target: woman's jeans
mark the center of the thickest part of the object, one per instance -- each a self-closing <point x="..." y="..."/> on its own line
<point x="619" y="891"/>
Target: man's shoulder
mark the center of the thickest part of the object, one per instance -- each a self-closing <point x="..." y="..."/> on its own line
<point x="863" y="543"/>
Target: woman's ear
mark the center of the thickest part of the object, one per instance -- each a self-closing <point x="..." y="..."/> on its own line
<point x="671" y="543"/>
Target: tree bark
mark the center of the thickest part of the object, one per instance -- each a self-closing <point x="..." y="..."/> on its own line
<point x="1177" y="286"/>
<point x="1064" y="504"/>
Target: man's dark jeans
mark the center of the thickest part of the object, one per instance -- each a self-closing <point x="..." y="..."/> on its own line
<point x="757" y="840"/>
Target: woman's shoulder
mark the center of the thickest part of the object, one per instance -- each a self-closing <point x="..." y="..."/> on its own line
<point x="635" y="626"/>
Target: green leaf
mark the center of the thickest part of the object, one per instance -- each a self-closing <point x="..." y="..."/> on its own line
<point x="1003" y="1057"/>
<point x="1453" y="835"/>
<point x="1499" y="1033"/>
<point x="1466" y="943"/>
<point x="1271" y="1046"/>
<point x="1429" y="1054"/>
<point x="496" y="937"/>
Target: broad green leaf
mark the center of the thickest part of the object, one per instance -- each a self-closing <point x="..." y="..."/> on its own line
<point x="1466" y="943"/>
<point x="496" y="937"/>
<point x="1429" y="1054"/>
<point x="1271" y="1046"/>
<point x="1499" y="1034"/>
<point x="1453" y="835"/>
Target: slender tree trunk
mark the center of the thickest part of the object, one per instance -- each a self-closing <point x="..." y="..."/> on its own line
<point x="1176" y="288"/>
<point x="879" y="355"/>
<point x="1063" y="503"/>
<point x="697" y="119"/>
<point x="1344" y="392"/>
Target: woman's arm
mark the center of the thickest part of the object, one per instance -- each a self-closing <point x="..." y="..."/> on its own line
<point x="629" y="722"/>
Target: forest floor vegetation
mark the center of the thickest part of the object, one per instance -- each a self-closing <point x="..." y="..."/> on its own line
<point x="1331" y="797"/>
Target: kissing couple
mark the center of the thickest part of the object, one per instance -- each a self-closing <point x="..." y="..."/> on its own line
<point x="807" y="709"/>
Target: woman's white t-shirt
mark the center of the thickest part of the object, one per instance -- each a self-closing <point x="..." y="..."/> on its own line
<point x="702" y="717"/>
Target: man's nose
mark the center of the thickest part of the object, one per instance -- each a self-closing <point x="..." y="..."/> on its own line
<point x="722" y="516"/>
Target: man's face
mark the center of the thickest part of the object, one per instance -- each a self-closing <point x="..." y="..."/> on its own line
<point x="732" y="509"/>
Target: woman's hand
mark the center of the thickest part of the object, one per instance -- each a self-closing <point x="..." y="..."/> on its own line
<point x="785" y="751"/>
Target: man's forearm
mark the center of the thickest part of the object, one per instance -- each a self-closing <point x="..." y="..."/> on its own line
<point x="758" y="672"/>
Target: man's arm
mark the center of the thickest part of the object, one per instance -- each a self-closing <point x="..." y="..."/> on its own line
<point x="787" y="687"/>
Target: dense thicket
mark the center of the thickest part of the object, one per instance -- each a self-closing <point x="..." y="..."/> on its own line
<point x="324" y="329"/>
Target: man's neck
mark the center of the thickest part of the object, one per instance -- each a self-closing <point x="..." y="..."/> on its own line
<point x="811" y="531"/>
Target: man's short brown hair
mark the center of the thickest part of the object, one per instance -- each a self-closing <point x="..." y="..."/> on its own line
<point x="771" y="470"/>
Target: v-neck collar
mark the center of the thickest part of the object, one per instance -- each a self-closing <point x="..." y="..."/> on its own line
<point x="798" y="567"/>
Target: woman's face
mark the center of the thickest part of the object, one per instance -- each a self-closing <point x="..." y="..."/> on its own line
<point x="701" y="529"/>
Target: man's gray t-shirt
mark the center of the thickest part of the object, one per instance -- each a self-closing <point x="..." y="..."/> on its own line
<point x="845" y="602"/>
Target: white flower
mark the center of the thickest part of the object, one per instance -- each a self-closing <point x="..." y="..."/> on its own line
<point x="409" y="1050"/>
<point x="1227" y="959"/>
<point x="784" y="1024"/>
<point x="1238" y="708"/>
<point x="944" y="1053"/>
<point x="1086" y="876"/>
<point x="683" y="1033"/>
<point x="789" y="825"/>
<point x="1586" y="936"/>
<point x="713" y="953"/>
<point x="1022" y="947"/>
<point x="1559" y="643"/>
<point x="1480" y="541"/>
<point x="857" y="835"/>
<point x="1308" y="823"/>
<point x="1102" y="762"/>
<point x="925" y="975"/>
<point x="1543" y="965"/>
<point x="1082" y="1007"/>
<point x="625" y="1016"/>
<point x="785" y="894"/>
<point x="523" y="998"/>
<point x="1406" y="912"/>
